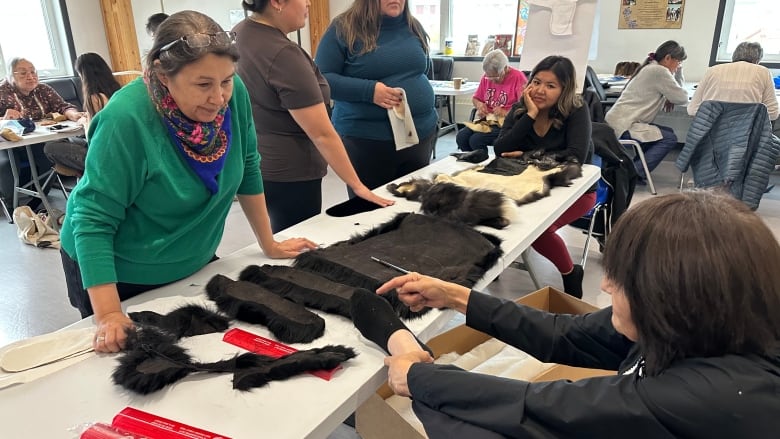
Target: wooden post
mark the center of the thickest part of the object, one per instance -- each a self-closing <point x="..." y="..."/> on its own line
<point x="122" y="41"/>
<point x="319" y="19"/>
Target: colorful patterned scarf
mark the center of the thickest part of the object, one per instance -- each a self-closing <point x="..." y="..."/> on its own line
<point x="203" y="145"/>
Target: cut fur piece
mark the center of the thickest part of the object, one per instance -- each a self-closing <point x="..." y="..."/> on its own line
<point x="458" y="203"/>
<point x="254" y="371"/>
<point x="152" y="361"/>
<point x="302" y="287"/>
<point x="249" y="302"/>
<point x="411" y="241"/>
<point x="186" y="321"/>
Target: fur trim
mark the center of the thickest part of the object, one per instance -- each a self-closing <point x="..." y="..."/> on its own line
<point x="152" y="361"/>
<point x="254" y="371"/>
<point x="186" y="321"/>
<point x="320" y="298"/>
<point x="248" y="302"/>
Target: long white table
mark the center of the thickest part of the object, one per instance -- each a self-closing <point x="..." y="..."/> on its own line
<point x="301" y="407"/>
<point x="42" y="134"/>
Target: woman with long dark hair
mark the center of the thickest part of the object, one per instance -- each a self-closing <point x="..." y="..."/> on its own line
<point x="551" y="116"/>
<point x="375" y="55"/>
<point x="97" y="85"/>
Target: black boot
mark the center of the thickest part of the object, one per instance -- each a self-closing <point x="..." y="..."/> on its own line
<point x="572" y="282"/>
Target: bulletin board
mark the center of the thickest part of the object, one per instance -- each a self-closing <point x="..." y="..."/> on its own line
<point x="651" y="14"/>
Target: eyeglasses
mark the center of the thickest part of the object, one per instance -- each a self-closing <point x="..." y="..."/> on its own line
<point x="197" y="41"/>
<point x="24" y="73"/>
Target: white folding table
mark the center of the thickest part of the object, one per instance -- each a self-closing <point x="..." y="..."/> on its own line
<point x="301" y="407"/>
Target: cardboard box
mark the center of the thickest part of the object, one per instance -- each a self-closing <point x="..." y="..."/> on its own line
<point x="375" y="419"/>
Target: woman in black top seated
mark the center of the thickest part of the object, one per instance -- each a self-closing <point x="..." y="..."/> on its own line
<point x="693" y="332"/>
<point x="551" y="116"/>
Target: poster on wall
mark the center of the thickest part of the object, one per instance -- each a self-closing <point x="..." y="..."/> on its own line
<point x="651" y="14"/>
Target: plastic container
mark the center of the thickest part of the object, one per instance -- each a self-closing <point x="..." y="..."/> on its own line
<point x="448" y="50"/>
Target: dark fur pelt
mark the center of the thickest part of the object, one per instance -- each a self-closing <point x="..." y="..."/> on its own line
<point x="186" y="321"/>
<point x="249" y="302"/>
<point x="413" y="242"/>
<point x="255" y="370"/>
<point x="456" y="203"/>
<point x="302" y="287"/>
<point x="152" y="360"/>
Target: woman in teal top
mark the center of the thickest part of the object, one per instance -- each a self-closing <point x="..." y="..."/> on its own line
<point x="166" y="157"/>
<point x="371" y="55"/>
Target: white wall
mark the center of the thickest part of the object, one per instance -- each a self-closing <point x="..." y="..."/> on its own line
<point x="86" y="22"/>
<point x="696" y="33"/>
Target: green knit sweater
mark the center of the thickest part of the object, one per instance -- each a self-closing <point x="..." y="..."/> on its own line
<point x="140" y="214"/>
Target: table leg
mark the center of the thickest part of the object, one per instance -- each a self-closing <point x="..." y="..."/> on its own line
<point x="36" y="179"/>
<point x="15" y="173"/>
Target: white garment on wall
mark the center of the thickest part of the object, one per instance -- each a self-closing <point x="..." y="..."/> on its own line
<point x="562" y="14"/>
<point x="540" y="42"/>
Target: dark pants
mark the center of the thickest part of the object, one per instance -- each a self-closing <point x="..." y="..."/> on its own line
<point x="654" y="151"/>
<point x="292" y="202"/>
<point x="71" y="152"/>
<point x="78" y="295"/>
<point x="470" y="140"/>
<point x="377" y="162"/>
<point x="439" y="425"/>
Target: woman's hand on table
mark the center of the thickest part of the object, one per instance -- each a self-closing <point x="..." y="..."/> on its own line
<point x="12" y="113"/>
<point x="111" y="333"/>
<point x="74" y="115"/>
<point x="289" y="248"/>
<point x="387" y="97"/>
<point x="366" y="194"/>
<point x="398" y="370"/>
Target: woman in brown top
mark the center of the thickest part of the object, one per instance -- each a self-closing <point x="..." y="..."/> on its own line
<point x="295" y="136"/>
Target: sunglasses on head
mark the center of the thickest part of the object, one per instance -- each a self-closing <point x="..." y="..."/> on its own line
<point x="197" y="41"/>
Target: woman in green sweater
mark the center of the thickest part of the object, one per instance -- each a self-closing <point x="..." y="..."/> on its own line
<point x="166" y="157"/>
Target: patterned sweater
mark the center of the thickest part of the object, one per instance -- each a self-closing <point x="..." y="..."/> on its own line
<point x="42" y="100"/>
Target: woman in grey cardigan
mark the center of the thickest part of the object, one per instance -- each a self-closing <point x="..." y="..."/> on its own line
<point x="656" y="84"/>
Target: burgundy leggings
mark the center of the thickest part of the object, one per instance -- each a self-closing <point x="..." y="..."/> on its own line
<point x="551" y="246"/>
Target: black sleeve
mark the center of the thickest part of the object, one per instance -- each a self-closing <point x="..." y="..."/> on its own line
<point x="514" y="132"/>
<point x="596" y="407"/>
<point x="587" y="340"/>
<point x="730" y="396"/>
<point x="578" y="134"/>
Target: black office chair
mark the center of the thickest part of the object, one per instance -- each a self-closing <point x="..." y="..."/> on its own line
<point x="442" y="71"/>
<point x="592" y="83"/>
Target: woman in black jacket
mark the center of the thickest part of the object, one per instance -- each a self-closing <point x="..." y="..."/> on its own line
<point x="692" y="331"/>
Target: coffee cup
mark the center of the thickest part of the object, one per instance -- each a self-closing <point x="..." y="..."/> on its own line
<point x="456" y="83"/>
